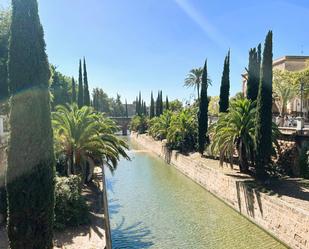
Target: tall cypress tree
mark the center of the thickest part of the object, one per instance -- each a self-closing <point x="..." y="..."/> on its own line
<point x="144" y="108"/>
<point x="86" y="87"/>
<point x="158" y="105"/>
<point x="264" y="111"/>
<point x="167" y="105"/>
<point x="80" y="99"/>
<point x="140" y="107"/>
<point x="161" y="103"/>
<point x="152" y="106"/>
<point x="73" y="91"/>
<point x="203" y="113"/>
<point x="4" y="40"/>
<point x="254" y="69"/>
<point x="225" y="85"/>
<point x="30" y="169"/>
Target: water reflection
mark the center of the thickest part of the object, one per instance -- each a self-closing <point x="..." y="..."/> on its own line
<point x="131" y="236"/>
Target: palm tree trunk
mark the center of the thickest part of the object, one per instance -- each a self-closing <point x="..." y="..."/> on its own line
<point x="243" y="161"/>
<point x="198" y="91"/>
<point x="106" y="213"/>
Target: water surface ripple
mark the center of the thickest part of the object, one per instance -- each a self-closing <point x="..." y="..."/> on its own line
<point x="152" y="205"/>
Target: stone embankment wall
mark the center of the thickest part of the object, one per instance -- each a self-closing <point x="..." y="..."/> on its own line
<point x="286" y="222"/>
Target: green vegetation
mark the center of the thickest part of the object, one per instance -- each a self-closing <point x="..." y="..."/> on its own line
<point x="139" y="124"/>
<point x="152" y="106"/>
<point x="80" y="99"/>
<point x="159" y="104"/>
<point x="30" y="169"/>
<point x="203" y="113"/>
<point x="4" y="44"/>
<point x="263" y="135"/>
<point x="214" y="106"/>
<point x="284" y="88"/>
<point x="86" y="87"/>
<point x="158" y="126"/>
<point x="235" y="130"/>
<point x="60" y="88"/>
<point x="254" y="71"/>
<point x="71" y="209"/>
<point x="74" y="100"/>
<point x="85" y="138"/>
<point x="225" y="85"/>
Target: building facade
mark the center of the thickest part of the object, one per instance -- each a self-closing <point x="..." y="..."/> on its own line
<point x="292" y="64"/>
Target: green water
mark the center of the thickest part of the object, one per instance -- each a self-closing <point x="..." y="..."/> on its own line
<point x="152" y="205"/>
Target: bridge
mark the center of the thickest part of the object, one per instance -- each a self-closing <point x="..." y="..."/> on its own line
<point x="123" y="123"/>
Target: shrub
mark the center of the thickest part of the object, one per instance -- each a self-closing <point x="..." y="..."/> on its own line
<point x="182" y="131"/>
<point x="139" y="124"/>
<point x="71" y="209"/>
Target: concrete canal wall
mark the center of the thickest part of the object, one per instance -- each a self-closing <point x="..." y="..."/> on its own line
<point x="286" y="221"/>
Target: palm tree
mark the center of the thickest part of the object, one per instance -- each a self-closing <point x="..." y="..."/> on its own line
<point x="194" y="79"/>
<point x="182" y="132"/>
<point x="85" y="138"/>
<point x="235" y="132"/>
<point x="158" y="126"/>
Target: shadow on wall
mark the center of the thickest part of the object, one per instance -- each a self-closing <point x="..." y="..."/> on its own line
<point x="251" y="195"/>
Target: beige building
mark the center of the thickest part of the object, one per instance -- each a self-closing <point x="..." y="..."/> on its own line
<point x="293" y="64"/>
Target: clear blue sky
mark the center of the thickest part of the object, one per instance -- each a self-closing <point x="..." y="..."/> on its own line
<point x="152" y="44"/>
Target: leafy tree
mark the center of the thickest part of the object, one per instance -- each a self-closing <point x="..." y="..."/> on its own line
<point x="4" y="44"/>
<point x="74" y="100"/>
<point x="152" y="106"/>
<point x="263" y="136"/>
<point x="86" y="87"/>
<point x="194" y="79"/>
<point x="30" y="169"/>
<point x="225" y="85"/>
<point x="117" y="107"/>
<point x="284" y="88"/>
<point x="214" y="106"/>
<point x="176" y="105"/>
<point x="101" y="101"/>
<point x="80" y="99"/>
<point x="59" y="87"/>
<point x="203" y="113"/>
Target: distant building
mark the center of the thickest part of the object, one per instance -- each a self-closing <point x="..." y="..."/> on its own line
<point x="293" y="64"/>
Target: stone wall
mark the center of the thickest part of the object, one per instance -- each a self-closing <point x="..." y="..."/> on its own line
<point x="288" y="223"/>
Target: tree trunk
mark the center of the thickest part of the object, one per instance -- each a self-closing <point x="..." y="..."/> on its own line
<point x="243" y="161"/>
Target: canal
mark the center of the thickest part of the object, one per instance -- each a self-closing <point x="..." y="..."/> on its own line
<point x="152" y="205"/>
